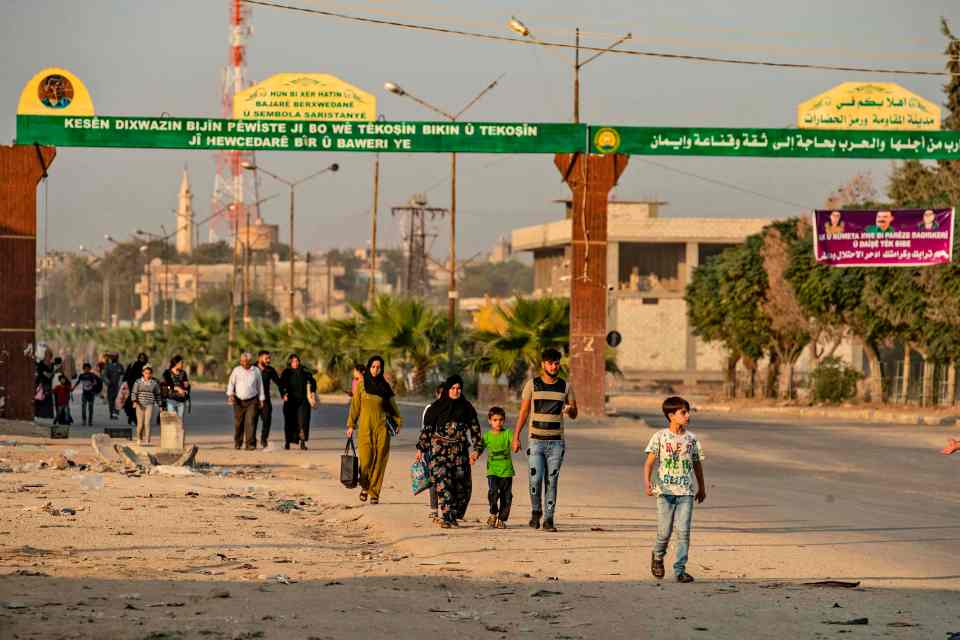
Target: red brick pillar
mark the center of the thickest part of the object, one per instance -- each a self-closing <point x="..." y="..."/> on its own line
<point x="590" y="178"/>
<point x="21" y="167"/>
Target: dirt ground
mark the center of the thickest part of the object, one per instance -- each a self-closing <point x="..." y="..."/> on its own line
<point x="269" y="545"/>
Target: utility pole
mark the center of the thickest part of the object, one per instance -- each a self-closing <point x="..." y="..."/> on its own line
<point x="396" y="89"/>
<point x="416" y="279"/>
<point x="372" y="290"/>
<point x="329" y="284"/>
<point x="292" y="184"/>
<point x="518" y="27"/>
<point x="292" y="313"/>
<point x="232" y="321"/>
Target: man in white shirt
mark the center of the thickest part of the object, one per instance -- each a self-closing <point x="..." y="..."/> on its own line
<point x="245" y="393"/>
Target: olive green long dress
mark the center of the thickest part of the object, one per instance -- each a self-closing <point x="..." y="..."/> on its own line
<point x="368" y="419"/>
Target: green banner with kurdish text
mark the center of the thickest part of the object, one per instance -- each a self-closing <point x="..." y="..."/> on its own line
<point x="479" y="137"/>
<point x="775" y="143"/>
<point x="289" y="135"/>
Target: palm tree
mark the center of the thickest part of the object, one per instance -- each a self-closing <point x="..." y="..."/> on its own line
<point x="511" y="342"/>
<point x="407" y="333"/>
<point x="527" y="328"/>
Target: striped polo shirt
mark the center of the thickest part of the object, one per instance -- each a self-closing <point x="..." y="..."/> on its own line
<point x="546" y="410"/>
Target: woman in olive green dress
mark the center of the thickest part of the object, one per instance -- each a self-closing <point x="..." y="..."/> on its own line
<point x="370" y="407"/>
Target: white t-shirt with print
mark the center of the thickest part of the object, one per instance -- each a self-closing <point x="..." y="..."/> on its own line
<point x="676" y="453"/>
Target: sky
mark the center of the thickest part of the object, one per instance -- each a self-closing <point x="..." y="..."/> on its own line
<point x="148" y="58"/>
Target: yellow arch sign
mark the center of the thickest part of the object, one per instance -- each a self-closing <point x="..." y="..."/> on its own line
<point x="304" y="96"/>
<point x="869" y="106"/>
<point x="55" y="92"/>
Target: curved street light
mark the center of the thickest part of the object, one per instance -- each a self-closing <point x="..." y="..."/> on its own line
<point x="291" y="184"/>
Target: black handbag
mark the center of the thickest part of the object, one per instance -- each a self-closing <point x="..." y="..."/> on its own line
<point x="349" y="466"/>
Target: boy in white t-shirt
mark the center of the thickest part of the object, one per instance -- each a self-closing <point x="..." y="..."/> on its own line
<point x="675" y="486"/>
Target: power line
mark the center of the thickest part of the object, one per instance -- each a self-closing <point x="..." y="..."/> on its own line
<point x="721" y="183"/>
<point x="631" y="52"/>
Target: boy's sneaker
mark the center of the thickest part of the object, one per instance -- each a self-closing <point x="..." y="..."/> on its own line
<point x="656" y="566"/>
<point x="492" y="521"/>
<point x="500" y="524"/>
<point x="548" y="525"/>
<point x="535" y="520"/>
<point x="684" y="577"/>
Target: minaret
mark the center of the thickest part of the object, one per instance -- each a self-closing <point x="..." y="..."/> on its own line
<point x="185" y="216"/>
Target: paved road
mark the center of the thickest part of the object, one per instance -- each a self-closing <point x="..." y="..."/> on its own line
<point x="797" y="498"/>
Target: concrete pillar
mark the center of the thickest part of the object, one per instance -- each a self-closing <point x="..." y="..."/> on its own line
<point x="590" y="178"/>
<point x="21" y="168"/>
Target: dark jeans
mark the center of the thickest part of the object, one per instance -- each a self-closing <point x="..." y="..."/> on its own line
<point x="500" y="496"/>
<point x="86" y="407"/>
<point x="265" y="415"/>
<point x="112" y="393"/>
<point x="296" y="420"/>
<point x="245" y="422"/>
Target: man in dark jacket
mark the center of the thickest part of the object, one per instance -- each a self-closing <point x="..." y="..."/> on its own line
<point x="265" y="413"/>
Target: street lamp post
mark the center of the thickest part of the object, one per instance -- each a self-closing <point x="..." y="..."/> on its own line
<point x="105" y="294"/>
<point x="291" y="184"/>
<point x="143" y="251"/>
<point x="396" y="89"/>
<point x="518" y="27"/>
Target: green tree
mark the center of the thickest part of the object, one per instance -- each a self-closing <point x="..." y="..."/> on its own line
<point x="408" y="334"/>
<point x="499" y="280"/>
<point x="723" y="305"/>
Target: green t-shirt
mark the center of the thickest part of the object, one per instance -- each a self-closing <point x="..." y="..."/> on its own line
<point x="499" y="452"/>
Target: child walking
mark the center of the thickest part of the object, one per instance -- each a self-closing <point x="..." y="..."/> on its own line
<point x="61" y="397"/>
<point x="680" y="457"/>
<point x="499" y="468"/>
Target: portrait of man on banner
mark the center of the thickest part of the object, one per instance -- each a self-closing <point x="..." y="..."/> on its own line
<point x="883" y="224"/>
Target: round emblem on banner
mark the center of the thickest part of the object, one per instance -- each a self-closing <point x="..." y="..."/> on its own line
<point x="55" y="91"/>
<point x="614" y="338"/>
<point x="606" y="140"/>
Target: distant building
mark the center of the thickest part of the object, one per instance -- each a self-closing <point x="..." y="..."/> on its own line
<point x="650" y="260"/>
<point x="502" y="250"/>
<point x="184" y="216"/>
<point x="176" y="286"/>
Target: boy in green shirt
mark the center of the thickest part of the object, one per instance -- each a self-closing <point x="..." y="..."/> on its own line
<point x="498" y="444"/>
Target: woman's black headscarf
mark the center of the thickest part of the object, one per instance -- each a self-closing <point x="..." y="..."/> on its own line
<point x="445" y="409"/>
<point x="378" y="385"/>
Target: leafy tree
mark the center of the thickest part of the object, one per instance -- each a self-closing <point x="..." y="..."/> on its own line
<point x="835" y="299"/>
<point x="498" y="280"/>
<point x="723" y="305"/>
<point x="407" y="333"/>
<point x="790" y="328"/>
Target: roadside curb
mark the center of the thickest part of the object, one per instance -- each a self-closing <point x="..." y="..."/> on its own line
<point x="855" y="414"/>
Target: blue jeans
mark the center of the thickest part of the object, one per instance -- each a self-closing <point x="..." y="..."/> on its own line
<point x="674" y="512"/>
<point x="545" y="458"/>
<point x="176" y="407"/>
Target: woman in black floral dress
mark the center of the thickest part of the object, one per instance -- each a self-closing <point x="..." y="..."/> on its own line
<point x="450" y="426"/>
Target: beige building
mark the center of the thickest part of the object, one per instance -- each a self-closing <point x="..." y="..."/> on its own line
<point x="650" y="260"/>
<point x="175" y="287"/>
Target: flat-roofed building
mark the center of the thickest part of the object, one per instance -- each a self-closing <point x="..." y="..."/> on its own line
<point x="650" y="260"/>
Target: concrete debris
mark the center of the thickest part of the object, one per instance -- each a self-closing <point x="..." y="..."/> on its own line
<point x="171" y="470"/>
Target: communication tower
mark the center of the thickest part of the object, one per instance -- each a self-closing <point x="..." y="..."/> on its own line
<point x="231" y="192"/>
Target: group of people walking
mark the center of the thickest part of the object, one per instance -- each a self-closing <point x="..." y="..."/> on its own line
<point x="451" y="441"/>
<point x="133" y="389"/>
<point x="249" y="390"/>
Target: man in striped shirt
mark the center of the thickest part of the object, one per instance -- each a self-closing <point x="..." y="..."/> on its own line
<point x="545" y="400"/>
